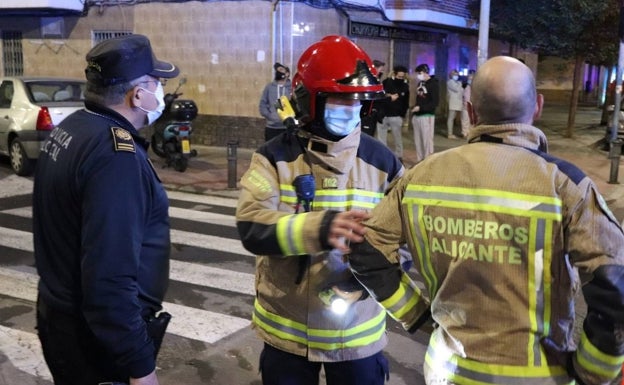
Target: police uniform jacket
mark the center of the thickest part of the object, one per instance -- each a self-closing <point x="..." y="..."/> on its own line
<point x="505" y="236"/>
<point x="101" y="232"/>
<point x="352" y="173"/>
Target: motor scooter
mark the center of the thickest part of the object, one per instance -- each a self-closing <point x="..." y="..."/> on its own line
<point x="171" y="138"/>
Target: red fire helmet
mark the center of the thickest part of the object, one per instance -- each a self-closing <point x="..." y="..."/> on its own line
<point x="333" y="66"/>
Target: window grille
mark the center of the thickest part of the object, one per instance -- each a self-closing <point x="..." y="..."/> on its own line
<point x="99" y="36"/>
<point x="12" y="53"/>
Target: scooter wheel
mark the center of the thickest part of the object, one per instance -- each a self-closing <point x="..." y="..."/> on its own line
<point x="158" y="146"/>
<point x="180" y="164"/>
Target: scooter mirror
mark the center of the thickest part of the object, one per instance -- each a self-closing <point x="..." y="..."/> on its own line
<point x="182" y="81"/>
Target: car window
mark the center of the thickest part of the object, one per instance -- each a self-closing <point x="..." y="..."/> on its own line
<point x="6" y="94"/>
<point x="56" y="90"/>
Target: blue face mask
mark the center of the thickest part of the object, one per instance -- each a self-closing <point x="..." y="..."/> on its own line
<point x="340" y="119"/>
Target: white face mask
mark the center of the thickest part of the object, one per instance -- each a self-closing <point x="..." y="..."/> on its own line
<point x="420" y="77"/>
<point x="340" y="119"/>
<point x="159" y="94"/>
<point x="455" y="77"/>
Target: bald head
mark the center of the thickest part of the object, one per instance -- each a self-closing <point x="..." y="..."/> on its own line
<point x="503" y="91"/>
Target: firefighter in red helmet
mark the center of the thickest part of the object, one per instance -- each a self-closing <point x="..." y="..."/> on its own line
<point x="303" y="195"/>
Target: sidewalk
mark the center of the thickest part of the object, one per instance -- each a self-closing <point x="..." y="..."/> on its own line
<point x="209" y="172"/>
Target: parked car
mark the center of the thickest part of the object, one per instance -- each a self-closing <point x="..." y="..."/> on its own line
<point x="30" y="107"/>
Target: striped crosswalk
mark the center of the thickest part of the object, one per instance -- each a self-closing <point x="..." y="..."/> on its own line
<point x="207" y="261"/>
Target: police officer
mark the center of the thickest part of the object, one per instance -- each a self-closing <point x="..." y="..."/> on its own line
<point x="101" y="225"/>
<point x="301" y="195"/>
<point x="504" y="235"/>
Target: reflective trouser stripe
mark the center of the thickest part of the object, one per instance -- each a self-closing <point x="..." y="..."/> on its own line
<point x="405" y="298"/>
<point x="344" y="199"/>
<point x="463" y="371"/>
<point x="541" y="211"/>
<point x="290" y="232"/>
<point x="595" y="361"/>
<point x="363" y="334"/>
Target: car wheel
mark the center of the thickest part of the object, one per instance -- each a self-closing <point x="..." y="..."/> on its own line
<point x="21" y="164"/>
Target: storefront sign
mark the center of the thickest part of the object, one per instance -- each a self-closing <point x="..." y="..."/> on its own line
<point x="373" y="30"/>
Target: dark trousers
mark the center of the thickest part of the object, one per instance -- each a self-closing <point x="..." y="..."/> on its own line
<point x="71" y="351"/>
<point x="280" y="368"/>
<point x="270" y="133"/>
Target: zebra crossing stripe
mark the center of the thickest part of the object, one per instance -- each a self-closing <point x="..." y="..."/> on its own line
<point x="15" y="185"/>
<point x="209" y="200"/>
<point x="174" y="212"/>
<point x="24" y="352"/>
<point x="22" y="240"/>
<point x="188" y="322"/>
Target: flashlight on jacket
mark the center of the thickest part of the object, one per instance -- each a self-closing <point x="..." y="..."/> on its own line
<point x="339" y="297"/>
<point x="286" y="112"/>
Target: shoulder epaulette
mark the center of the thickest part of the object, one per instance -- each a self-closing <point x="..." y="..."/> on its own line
<point x="122" y="139"/>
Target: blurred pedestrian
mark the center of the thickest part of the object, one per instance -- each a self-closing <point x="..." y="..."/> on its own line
<point x="101" y="225"/>
<point x="454" y="93"/>
<point x="277" y="88"/>
<point x="394" y="108"/>
<point x="465" y="117"/>
<point x="300" y="197"/>
<point x="505" y="236"/>
<point x="423" y="113"/>
<point x="379" y="67"/>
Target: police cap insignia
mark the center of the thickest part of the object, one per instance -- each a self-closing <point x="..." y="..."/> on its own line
<point x="122" y="139"/>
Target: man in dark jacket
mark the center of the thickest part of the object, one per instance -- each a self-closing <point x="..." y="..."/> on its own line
<point x="423" y="113"/>
<point x="101" y="225"/>
<point x="394" y="109"/>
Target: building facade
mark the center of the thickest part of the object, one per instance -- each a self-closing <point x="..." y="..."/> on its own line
<point x="226" y="49"/>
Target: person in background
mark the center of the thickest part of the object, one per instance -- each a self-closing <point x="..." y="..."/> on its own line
<point x="101" y="225"/>
<point x="299" y="198"/>
<point x="465" y="117"/>
<point x="394" y="108"/>
<point x="371" y="114"/>
<point x="272" y="92"/>
<point x="454" y="93"/>
<point x="423" y="113"/>
<point x="379" y="67"/>
<point x="505" y="237"/>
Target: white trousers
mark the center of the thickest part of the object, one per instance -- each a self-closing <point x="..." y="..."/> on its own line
<point x="423" y="135"/>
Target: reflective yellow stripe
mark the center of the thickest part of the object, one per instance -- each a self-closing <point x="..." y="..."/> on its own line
<point x="404" y="299"/>
<point x="335" y="199"/>
<point x="504" y="202"/>
<point x="532" y="356"/>
<point x="464" y="371"/>
<point x="595" y="361"/>
<point x="289" y="231"/>
<point x="361" y="335"/>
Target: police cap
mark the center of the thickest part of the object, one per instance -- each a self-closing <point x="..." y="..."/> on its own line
<point x="123" y="59"/>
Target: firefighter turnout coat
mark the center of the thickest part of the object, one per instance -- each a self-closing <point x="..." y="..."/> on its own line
<point x="505" y="237"/>
<point x="352" y="173"/>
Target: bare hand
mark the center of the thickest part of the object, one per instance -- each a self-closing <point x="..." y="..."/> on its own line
<point x="150" y="379"/>
<point x="394" y="97"/>
<point x="346" y="227"/>
<point x="416" y="109"/>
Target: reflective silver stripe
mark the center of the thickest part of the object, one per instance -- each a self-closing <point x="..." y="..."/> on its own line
<point x="290" y="234"/>
<point x="419" y="234"/>
<point x="360" y="335"/>
<point x="336" y="199"/>
<point x="463" y="371"/>
<point x="537" y="302"/>
<point x="595" y="361"/>
<point x="486" y="199"/>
